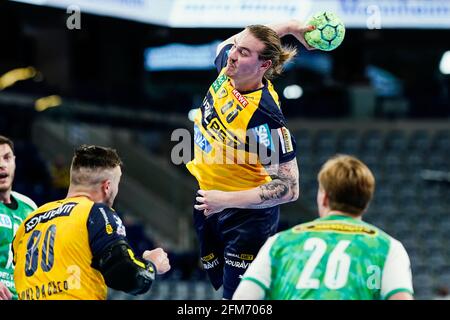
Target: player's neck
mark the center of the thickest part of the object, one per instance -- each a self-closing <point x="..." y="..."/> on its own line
<point x="82" y="192"/>
<point x="243" y="86"/>
<point x="5" y="196"/>
<point x="79" y="194"/>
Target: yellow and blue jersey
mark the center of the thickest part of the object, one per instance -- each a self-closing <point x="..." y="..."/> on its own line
<point x="55" y="246"/>
<point x="224" y="153"/>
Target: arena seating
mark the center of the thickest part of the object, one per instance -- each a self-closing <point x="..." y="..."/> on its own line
<point x="412" y="209"/>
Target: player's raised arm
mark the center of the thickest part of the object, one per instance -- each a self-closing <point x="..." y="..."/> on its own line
<point x="283" y="188"/>
<point x="293" y="27"/>
<point x="241" y="112"/>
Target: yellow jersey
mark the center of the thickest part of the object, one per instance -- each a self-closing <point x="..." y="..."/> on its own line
<point x="54" y="248"/>
<point x="235" y="131"/>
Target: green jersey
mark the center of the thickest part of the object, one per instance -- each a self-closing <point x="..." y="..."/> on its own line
<point x="335" y="257"/>
<point x="11" y="216"/>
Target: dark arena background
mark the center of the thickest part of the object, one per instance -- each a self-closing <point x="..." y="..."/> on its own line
<point x="127" y="74"/>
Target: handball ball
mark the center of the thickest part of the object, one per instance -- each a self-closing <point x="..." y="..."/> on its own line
<point x="329" y="32"/>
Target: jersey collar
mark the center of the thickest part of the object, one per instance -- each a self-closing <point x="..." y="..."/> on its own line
<point x="338" y="217"/>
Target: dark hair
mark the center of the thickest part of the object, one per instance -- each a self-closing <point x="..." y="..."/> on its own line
<point x="273" y="49"/>
<point x="5" y="140"/>
<point x="95" y="157"/>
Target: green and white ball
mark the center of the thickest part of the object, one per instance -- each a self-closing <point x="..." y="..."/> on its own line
<point x="329" y="32"/>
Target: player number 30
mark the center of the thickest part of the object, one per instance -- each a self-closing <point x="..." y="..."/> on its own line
<point x="47" y="257"/>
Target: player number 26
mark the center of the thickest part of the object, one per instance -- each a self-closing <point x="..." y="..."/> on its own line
<point x="338" y="265"/>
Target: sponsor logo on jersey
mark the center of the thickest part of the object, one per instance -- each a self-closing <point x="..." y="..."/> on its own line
<point x="243" y="256"/>
<point x="218" y="83"/>
<point x="105" y="217"/>
<point x="209" y="261"/>
<point x="8" y="284"/>
<point x="237" y="264"/>
<point x="339" y="227"/>
<point x="222" y="93"/>
<point x="210" y="265"/>
<point x="120" y="227"/>
<point x="219" y="132"/>
<point x="207" y="109"/>
<point x="201" y="141"/>
<point x="286" y="141"/>
<point x="240" y="98"/>
<point x="61" y="211"/>
<point x="5" y="221"/>
<point x="109" y="229"/>
<point x="6" y="276"/>
<point x="263" y="136"/>
<point x="209" y="257"/>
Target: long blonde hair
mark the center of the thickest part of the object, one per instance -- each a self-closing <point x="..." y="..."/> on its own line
<point x="273" y="49"/>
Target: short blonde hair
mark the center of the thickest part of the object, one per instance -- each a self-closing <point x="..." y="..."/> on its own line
<point x="273" y="49"/>
<point x="348" y="183"/>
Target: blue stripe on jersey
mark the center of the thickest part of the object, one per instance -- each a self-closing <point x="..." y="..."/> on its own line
<point x="104" y="228"/>
<point x="222" y="57"/>
<point x="268" y="112"/>
<point x="270" y="116"/>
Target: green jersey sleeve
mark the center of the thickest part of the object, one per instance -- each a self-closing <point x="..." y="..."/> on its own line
<point x="397" y="275"/>
<point x="260" y="271"/>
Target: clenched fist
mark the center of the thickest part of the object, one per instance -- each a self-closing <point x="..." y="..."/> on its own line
<point x="159" y="258"/>
<point x="212" y="201"/>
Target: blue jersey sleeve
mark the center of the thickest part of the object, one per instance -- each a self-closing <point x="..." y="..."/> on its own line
<point x="222" y="57"/>
<point x="104" y="227"/>
<point x="274" y="142"/>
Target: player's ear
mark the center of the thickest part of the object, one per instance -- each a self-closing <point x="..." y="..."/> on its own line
<point x="106" y="186"/>
<point x="325" y="200"/>
<point x="266" y="64"/>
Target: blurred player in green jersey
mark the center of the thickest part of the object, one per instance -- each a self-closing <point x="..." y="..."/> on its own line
<point x="337" y="256"/>
<point x="14" y="208"/>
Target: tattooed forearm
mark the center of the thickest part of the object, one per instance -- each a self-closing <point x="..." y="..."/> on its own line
<point x="276" y="189"/>
<point x="283" y="187"/>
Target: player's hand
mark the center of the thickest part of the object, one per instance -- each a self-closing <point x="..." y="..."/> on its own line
<point x="298" y="30"/>
<point x="211" y="201"/>
<point x="5" y="294"/>
<point x="159" y="258"/>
